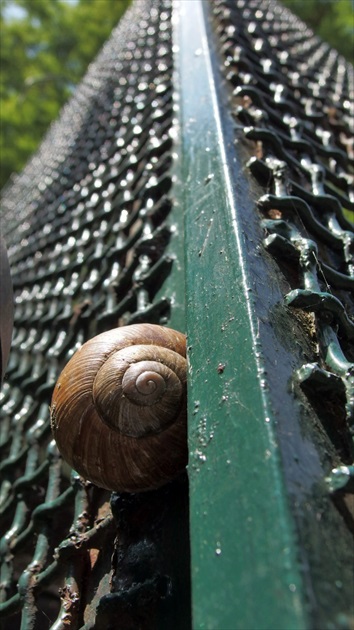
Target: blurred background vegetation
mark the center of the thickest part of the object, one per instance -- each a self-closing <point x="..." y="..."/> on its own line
<point x="332" y="20"/>
<point x="46" y="46"/>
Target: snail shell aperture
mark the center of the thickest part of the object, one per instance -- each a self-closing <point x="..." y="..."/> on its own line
<point x="119" y="408"/>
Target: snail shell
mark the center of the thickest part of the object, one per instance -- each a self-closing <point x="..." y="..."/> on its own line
<point x="118" y="411"/>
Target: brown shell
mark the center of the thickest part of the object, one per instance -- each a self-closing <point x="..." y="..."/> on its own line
<point x="119" y="435"/>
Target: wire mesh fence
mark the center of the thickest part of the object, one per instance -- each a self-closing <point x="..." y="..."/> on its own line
<point x="88" y="225"/>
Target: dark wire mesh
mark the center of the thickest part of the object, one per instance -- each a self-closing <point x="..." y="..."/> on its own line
<point x="292" y="101"/>
<point x="85" y="229"/>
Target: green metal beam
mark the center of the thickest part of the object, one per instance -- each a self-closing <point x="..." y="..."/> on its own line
<point x="245" y="568"/>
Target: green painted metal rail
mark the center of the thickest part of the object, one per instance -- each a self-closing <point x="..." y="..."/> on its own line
<point x="245" y="571"/>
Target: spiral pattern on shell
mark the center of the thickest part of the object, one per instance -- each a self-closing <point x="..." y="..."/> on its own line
<point x="118" y="410"/>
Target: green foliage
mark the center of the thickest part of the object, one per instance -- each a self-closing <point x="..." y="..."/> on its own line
<point x="44" y="54"/>
<point x="332" y="20"/>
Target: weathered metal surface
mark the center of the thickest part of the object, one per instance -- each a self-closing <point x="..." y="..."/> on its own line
<point x="244" y="560"/>
<point x="260" y="465"/>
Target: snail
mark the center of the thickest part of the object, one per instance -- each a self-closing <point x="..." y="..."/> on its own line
<point x="119" y="410"/>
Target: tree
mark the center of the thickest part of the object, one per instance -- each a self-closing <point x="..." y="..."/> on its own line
<point x="332" y="20"/>
<point x="44" y="54"/>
